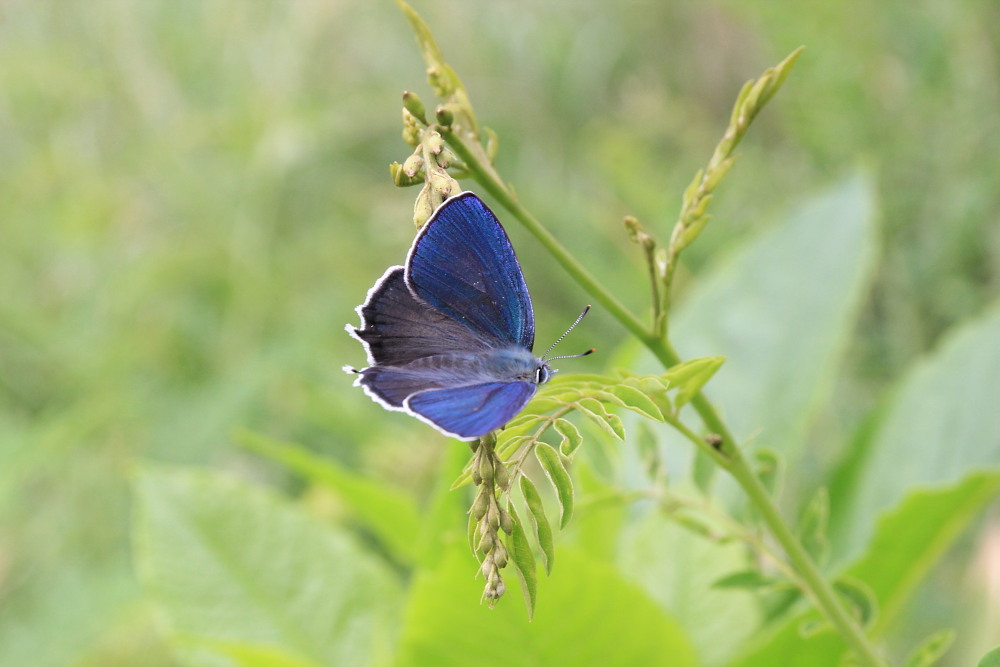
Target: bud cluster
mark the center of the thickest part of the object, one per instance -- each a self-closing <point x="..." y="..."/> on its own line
<point x="493" y="479"/>
<point x="430" y="160"/>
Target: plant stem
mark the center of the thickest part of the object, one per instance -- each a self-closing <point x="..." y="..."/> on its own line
<point x="486" y="176"/>
<point x="727" y="453"/>
<point x="816" y="585"/>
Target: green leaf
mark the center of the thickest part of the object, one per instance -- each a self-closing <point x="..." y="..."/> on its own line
<point x="543" y="531"/>
<point x="812" y="526"/>
<point x="690" y="376"/>
<point x="595" y="411"/>
<point x="782" y="310"/>
<point x="908" y="542"/>
<point x="388" y="513"/>
<point x="523" y="559"/>
<point x="747" y="580"/>
<point x="247" y="654"/>
<point x="931" y="649"/>
<point x="678" y="569"/>
<point x="638" y="402"/>
<point x="552" y="464"/>
<point x="859" y="597"/>
<point x="571" y="438"/>
<point x="228" y="562"/>
<point x="912" y="538"/>
<point x="770" y="468"/>
<point x="991" y="659"/>
<point x="588" y="614"/>
<point x="940" y="426"/>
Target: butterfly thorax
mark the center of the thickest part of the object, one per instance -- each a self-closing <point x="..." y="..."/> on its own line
<point x="502" y="364"/>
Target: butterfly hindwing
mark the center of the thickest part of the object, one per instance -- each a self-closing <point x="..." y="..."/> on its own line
<point x="471" y="411"/>
<point x="463" y="265"/>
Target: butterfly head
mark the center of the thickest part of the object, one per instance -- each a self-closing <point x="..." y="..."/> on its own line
<point x="543" y="373"/>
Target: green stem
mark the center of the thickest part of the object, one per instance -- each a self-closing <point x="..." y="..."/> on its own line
<point x="487" y="177"/>
<point x="727" y="454"/>
<point x="822" y="593"/>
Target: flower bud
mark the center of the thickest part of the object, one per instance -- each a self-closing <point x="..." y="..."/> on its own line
<point x="413" y="164"/>
<point x="423" y="207"/>
<point x="481" y="504"/>
<point x="434" y="142"/>
<point x="413" y="104"/>
<point x="502" y="476"/>
<point x="493" y="516"/>
<point x="500" y="556"/>
<point x="444" y="116"/>
<point x="506" y="521"/>
<point x="486" y="469"/>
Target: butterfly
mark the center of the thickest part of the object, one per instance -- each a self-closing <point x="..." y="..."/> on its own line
<point x="449" y="335"/>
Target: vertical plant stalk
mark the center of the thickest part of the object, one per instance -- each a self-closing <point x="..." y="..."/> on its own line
<point x="728" y="456"/>
<point x="457" y="126"/>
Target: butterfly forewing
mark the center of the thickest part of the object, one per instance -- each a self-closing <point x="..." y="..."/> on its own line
<point x="463" y="265"/>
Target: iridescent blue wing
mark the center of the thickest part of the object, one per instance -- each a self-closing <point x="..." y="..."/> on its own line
<point x="462" y="264"/>
<point x="471" y="411"/>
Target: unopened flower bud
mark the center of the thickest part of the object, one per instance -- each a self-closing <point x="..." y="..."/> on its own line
<point x="413" y="164"/>
<point x="506" y="521"/>
<point x="493" y="516"/>
<point x="444" y="185"/>
<point x="500" y="556"/>
<point x="486" y="469"/>
<point x="444" y="116"/>
<point x="502" y="476"/>
<point x="481" y="504"/>
<point x="413" y="104"/>
<point x="423" y="207"/>
<point x="433" y="142"/>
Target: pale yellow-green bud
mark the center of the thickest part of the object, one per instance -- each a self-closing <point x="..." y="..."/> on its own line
<point x="444" y="116"/>
<point x="493" y="516"/>
<point x="423" y="207"/>
<point x="413" y="164"/>
<point x="486" y="469"/>
<point x="486" y="543"/>
<point x="502" y="476"/>
<point x="481" y="504"/>
<point x="443" y="184"/>
<point x="413" y="104"/>
<point x="500" y="555"/>
<point x="433" y="142"/>
<point x="506" y="521"/>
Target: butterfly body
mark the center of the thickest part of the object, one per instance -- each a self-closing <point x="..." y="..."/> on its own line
<point x="449" y="335"/>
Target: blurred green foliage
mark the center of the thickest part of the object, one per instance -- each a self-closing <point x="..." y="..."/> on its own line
<point x="195" y="197"/>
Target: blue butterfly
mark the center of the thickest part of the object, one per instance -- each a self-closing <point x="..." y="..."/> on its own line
<point x="449" y="335"/>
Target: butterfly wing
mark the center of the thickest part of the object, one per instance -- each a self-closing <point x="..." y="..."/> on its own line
<point x="397" y="328"/>
<point x="463" y="265"/>
<point x="471" y="411"/>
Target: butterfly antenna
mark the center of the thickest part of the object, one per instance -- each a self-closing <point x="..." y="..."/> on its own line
<point x="545" y="356"/>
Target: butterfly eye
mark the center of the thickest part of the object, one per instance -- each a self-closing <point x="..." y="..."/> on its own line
<point x="541" y="375"/>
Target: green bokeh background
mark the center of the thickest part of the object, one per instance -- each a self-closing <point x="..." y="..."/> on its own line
<point x="194" y="197"/>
